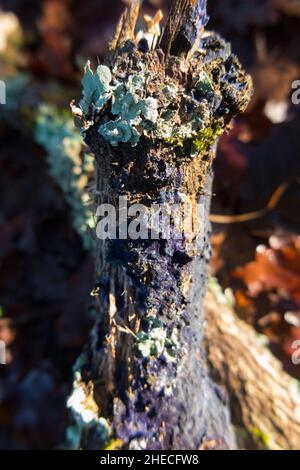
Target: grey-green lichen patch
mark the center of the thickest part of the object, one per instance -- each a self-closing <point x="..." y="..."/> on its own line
<point x="119" y="131"/>
<point x="96" y="88"/>
<point x="70" y="165"/>
<point x="133" y="111"/>
<point x="138" y="95"/>
<point x="86" y="416"/>
<point x="204" y="84"/>
<point x="155" y="341"/>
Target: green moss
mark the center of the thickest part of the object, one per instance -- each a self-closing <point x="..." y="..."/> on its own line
<point x="201" y="144"/>
<point x="206" y="139"/>
<point x="175" y="141"/>
<point x="261" y="437"/>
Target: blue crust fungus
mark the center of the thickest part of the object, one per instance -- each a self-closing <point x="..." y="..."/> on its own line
<point x="152" y="117"/>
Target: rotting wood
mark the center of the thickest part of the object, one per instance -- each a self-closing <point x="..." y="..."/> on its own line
<point x="152" y="120"/>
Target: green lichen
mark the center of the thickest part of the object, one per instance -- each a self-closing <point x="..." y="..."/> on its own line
<point x="204" y="84"/>
<point x="137" y="114"/>
<point x="119" y="131"/>
<point x="126" y="105"/>
<point x="155" y="342"/>
<point x="131" y="108"/>
<point x="85" y="413"/>
<point x="96" y="88"/>
<point x="149" y="109"/>
<point x="174" y="134"/>
<point x="69" y="164"/>
<point x="188" y="110"/>
<point x="170" y="91"/>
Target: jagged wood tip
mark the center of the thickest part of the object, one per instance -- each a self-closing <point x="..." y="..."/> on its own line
<point x="182" y="33"/>
<point x="126" y="27"/>
<point x="184" y="27"/>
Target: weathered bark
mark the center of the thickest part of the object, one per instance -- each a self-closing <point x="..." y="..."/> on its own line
<point x="151" y="291"/>
<point x="264" y="401"/>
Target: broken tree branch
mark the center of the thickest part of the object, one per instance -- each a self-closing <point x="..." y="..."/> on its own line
<point x="186" y="21"/>
<point x="152" y="122"/>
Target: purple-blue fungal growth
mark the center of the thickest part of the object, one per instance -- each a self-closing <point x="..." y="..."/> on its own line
<point x="196" y="19"/>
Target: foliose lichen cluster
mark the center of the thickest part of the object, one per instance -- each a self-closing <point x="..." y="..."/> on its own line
<point x="131" y="110"/>
<point x="187" y="108"/>
<point x="85" y="411"/>
<point x="155" y="341"/>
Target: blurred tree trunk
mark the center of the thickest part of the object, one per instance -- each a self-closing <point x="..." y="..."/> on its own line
<point x="264" y="400"/>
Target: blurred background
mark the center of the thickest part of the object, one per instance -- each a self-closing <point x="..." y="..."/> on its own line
<point x="46" y="185"/>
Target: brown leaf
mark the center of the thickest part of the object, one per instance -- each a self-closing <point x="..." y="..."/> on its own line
<point x="273" y="268"/>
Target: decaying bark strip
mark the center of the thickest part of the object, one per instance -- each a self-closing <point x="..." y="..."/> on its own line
<point x="264" y="401"/>
<point x="185" y="24"/>
<point x="152" y="116"/>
